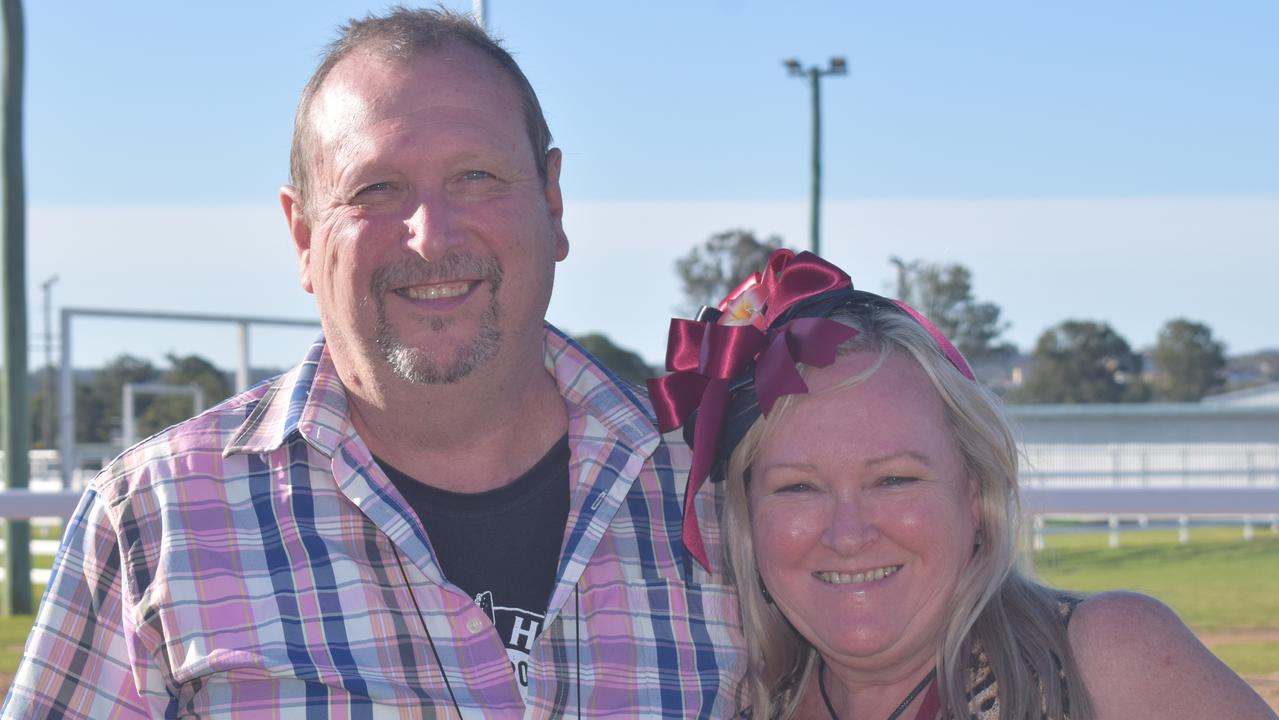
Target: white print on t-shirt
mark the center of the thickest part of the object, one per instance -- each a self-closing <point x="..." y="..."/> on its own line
<point x="518" y="628"/>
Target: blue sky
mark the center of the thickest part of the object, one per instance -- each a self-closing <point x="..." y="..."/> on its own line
<point x="1117" y="161"/>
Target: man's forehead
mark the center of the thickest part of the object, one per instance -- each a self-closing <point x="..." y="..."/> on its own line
<point x="366" y="84"/>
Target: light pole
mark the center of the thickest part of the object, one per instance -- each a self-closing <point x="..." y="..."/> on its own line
<point x="838" y="66"/>
<point x="46" y="421"/>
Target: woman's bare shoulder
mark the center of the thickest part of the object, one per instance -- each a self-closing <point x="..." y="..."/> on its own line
<point x="1139" y="660"/>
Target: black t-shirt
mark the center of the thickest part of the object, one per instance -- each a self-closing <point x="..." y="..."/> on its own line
<point x="500" y="546"/>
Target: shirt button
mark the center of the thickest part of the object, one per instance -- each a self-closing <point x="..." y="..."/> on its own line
<point x="474" y="625"/>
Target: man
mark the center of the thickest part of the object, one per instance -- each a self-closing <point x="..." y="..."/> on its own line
<point x="448" y="508"/>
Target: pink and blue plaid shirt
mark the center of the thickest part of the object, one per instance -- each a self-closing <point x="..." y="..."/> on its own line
<point x="255" y="562"/>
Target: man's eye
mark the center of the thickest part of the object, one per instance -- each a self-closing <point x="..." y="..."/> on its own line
<point x="478" y="175"/>
<point x="375" y="188"/>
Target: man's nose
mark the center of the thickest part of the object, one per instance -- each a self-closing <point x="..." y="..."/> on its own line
<point x="850" y="526"/>
<point x="432" y="229"/>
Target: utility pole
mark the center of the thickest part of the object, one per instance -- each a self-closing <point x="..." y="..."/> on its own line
<point x="814" y="74"/>
<point x="17" y="427"/>
<point x="46" y="375"/>
<point x="479" y="10"/>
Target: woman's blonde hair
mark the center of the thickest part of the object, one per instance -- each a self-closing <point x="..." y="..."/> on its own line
<point x="995" y="606"/>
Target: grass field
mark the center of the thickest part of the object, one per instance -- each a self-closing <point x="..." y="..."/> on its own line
<point x="1216" y="582"/>
<point x="1226" y="589"/>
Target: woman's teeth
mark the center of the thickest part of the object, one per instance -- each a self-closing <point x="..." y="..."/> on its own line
<point x="838" y="578"/>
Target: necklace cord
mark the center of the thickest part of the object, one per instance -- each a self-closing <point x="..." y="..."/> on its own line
<point x="422" y="618"/>
<point x="910" y="697"/>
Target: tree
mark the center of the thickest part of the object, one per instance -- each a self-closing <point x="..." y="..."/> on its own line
<point x="166" y="410"/>
<point x="1188" y="361"/>
<point x="624" y="363"/>
<point x="1081" y="361"/>
<point x="944" y="294"/>
<point x="713" y="269"/>
<point x="99" y="411"/>
<point x="99" y="408"/>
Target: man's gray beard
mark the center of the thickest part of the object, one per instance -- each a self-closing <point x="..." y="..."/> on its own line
<point x="415" y="364"/>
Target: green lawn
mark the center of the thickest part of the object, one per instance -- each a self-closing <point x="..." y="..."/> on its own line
<point x="1217" y="581"/>
<point x="1226" y="589"/>
<point x="13" y="635"/>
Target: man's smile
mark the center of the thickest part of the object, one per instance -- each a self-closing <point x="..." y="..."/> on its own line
<point x="436" y="292"/>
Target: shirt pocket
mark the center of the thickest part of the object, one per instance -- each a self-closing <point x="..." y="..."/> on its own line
<point x="287" y="664"/>
<point x="662" y="648"/>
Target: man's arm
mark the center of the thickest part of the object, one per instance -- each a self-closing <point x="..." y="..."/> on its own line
<point x="79" y="661"/>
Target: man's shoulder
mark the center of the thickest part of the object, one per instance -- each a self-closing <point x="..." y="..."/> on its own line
<point x="192" y="447"/>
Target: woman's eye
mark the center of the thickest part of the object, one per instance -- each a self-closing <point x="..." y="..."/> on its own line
<point x="897" y="480"/>
<point x="796" y="487"/>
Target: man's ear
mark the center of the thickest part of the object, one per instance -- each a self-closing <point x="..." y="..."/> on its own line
<point x="555" y="201"/>
<point x="300" y="230"/>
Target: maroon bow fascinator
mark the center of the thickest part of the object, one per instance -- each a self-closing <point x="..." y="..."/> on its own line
<point x="736" y="360"/>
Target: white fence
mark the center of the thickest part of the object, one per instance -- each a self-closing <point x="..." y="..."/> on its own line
<point x="1140" y="461"/>
<point x="1092" y="461"/>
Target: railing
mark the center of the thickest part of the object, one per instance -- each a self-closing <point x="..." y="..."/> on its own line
<point x="1220" y="480"/>
<point x="23" y="504"/>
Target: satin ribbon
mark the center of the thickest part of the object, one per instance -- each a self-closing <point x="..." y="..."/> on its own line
<point x="704" y="357"/>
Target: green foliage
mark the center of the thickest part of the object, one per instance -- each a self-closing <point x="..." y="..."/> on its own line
<point x="1081" y="361"/>
<point x="1188" y="361"/>
<point x="99" y="403"/>
<point x="626" y="364"/>
<point x="166" y="410"/>
<point x="713" y="269"/>
<point x="944" y="294"/>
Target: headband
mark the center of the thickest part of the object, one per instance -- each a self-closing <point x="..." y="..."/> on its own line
<point x="735" y="361"/>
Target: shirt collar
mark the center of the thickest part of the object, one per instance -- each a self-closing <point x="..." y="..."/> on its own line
<point x="310" y="400"/>
<point x="621" y="408"/>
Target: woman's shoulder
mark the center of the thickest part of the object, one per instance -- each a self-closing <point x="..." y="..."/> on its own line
<point x="1097" y="616"/>
<point x="1139" y="660"/>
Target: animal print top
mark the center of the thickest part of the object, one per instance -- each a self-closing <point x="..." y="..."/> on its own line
<point x="983" y="688"/>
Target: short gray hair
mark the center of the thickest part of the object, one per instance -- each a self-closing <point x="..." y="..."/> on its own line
<point x="403" y="34"/>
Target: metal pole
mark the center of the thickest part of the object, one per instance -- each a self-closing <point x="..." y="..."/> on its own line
<point x="242" y="366"/>
<point x="17" y="427"/>
<point x="66" y="403"/>
<point x="838" y="66"/>
<point x="46" y="375"/>
<point x="815" y="220"/>
<point x="128" y="432"/>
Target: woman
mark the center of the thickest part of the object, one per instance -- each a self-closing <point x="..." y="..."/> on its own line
<point x="871" y="525"/>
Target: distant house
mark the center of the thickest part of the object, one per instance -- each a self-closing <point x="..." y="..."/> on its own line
<point x="1260" y="396"/>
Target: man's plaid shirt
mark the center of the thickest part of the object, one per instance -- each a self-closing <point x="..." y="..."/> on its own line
<point x="256" y="562"/>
